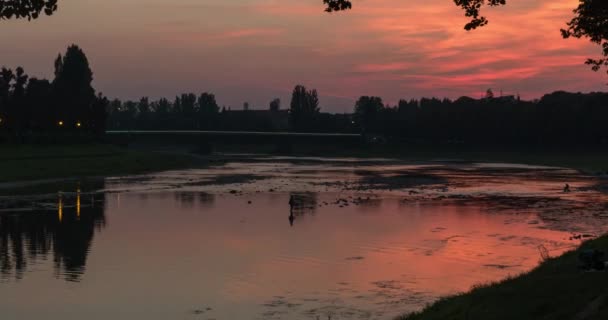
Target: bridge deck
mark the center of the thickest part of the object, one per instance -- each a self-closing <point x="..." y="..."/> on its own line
<point x="232" y="133"/>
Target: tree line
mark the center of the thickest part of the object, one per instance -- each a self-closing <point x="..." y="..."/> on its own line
<point x="555" y="119"/>
<point x="67" y="104"/>
<point x="190" y="111"/>
<point x="70" y="105"/>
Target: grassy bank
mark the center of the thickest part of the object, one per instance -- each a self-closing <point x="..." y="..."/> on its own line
<point x="30" y="162"/>
<point x="556" y="289"/>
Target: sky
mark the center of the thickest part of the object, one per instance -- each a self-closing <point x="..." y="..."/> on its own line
<point x="256" y="50"/>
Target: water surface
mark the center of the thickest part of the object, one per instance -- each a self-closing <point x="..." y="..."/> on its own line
<point x="367" y="240"/>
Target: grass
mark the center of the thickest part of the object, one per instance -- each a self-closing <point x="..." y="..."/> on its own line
<point x="556" y="289"/>
<point x="29" y="162"/>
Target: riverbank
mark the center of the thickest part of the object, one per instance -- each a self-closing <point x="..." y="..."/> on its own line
<point x="33" y="162"/>
<point x="557" y="289"/>
<point x="37" y="162"/>
<point x="586" y="160"/>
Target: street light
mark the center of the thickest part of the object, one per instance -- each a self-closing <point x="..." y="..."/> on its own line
<point x="60" y="123"/>
<point x="78" y="124"/>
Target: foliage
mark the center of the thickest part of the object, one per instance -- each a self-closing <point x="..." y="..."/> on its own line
<point x="557" y="119"/>
<point x="303" y="109"/>
<point x="275" y="105"/>
<point x="471" y="8"/>
<point x="367" y="110"/>
<point x="591" y="21"/>
<point x="29" y="9"/>
<point x="67" y="104"/>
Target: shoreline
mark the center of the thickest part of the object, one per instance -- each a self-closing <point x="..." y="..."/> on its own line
<point x="556" y="289"/>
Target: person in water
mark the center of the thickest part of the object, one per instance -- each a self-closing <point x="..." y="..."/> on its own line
<point x="292" y="203"/>
<point x="567" y="188"/>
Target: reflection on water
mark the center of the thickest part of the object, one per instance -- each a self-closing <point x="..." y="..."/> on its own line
<point x="300" y="204"/>
<point x="181" y="248"/>
<point x="188" y="198"/>
<point x="66" y="235"/>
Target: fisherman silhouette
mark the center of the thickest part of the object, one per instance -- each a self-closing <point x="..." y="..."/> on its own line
<point x="292" y="203"/>
<point x="567" y="188"/>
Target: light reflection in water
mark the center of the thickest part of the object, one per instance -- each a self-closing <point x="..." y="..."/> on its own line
<point x="184" y="250"/>
<point x="78" y="203"/>
<point x="236" y="253"/>
<point x="27" y="240"/>
<point x="60" y="209"/>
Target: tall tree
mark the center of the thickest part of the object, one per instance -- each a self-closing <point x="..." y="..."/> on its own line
<point x="188" y="105"/>
<point x="17" y="113"/>
<point x="6" y="81"/>
<point x="303" y="109"/>
<point x="367" y="110"/>
<point x="275" y="105"/>
<point x="37" y="106"/>
<point x="207" y="110"/>
<point x="489" y="94"/>
<point x="73" y="90"/>
<point x="98" y="119"/>
<point x="207" y="104"/>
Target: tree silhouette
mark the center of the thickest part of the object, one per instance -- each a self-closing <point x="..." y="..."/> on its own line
<point x="207" y="110"/>
<point x="29" y="9"/>
<point x="591" y="21"/>
<point x="66" y="240"/>
<point x="303" y="108"/>
<point x="367" y="111"/>
<point x="275" y="105"/>
<point x="74" y="94"/>
<point x="472" y="9"/>
<point x="29" y="106"/>
<point x="489" y="94"/>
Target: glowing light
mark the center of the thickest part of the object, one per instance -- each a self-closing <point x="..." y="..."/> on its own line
<point x="60" y="123"/>
<point x="78" y="202"/>
<point x="60" y="209"/>
<point x="78" y="124"/>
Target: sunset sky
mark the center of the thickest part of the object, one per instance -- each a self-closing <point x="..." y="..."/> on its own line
<point x="256" y="50"/>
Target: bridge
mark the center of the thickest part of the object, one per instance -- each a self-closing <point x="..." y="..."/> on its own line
<point x="230" y="133"/>
<point x="207" y="139"/>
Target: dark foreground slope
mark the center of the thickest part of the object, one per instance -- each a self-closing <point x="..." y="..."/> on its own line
<point x="557" y="289"/>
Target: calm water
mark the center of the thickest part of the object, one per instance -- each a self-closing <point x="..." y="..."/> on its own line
<point x="219" y="244"/>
